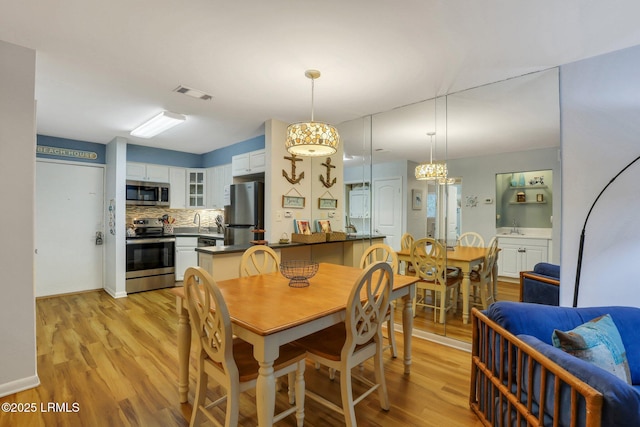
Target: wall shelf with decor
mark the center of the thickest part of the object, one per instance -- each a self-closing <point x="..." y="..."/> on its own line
<point x="528" y="203"/>
<point x="527" y="187"/>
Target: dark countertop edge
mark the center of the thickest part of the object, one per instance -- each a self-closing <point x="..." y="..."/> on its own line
<point x="218" y="250"/>
<point x="206" y="235"/>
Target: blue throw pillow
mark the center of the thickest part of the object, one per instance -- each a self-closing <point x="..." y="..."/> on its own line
<point x="597" y="341"/>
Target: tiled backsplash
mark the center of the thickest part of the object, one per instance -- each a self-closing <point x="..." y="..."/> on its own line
<point x="184" y="217"/>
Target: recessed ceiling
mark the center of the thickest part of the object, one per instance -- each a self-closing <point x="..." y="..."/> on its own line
<point x="103" y="67"/>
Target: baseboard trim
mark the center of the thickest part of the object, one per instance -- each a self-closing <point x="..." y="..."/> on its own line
<point x="439" y="339"/>
<point x="115" y="294"/>
<point x="19" y="385"/>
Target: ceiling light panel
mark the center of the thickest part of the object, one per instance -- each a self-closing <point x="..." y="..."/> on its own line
<point x="158" y="124"/>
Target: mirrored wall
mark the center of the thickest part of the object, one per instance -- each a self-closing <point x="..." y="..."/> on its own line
<point x="506" y="126"/>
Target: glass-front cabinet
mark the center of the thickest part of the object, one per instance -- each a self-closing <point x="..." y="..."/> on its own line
<point x="195" y="188"/>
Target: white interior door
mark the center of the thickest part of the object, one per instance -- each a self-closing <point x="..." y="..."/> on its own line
<point x="388" y="210"/>
<point x="452" y="215"/>
<point x="69" y="212"/>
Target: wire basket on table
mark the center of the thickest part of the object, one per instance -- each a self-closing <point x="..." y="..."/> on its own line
<point x="298" y="272"/>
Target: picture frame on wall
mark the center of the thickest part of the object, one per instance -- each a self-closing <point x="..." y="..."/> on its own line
<point x="416" y="199"/>
<point x="327" y="203"/>
<point x="294" y="202"/>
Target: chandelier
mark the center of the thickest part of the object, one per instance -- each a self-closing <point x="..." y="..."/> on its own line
<point x="312" y="138"/>
<point x="434" y="170"/>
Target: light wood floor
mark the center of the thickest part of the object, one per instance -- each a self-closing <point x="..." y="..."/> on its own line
<point x="454" y="328"/>
<point x="117" y="359"/>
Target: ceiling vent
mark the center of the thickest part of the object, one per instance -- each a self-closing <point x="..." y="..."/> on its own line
<point x="194" y="93"/>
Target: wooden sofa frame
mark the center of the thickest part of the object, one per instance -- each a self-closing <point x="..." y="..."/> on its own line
<point x="504" y="385"/>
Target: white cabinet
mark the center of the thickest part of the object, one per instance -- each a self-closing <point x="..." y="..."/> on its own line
<point x="520" y="254"/>
<point x="188" y="188"/>
<point x="359" y="205"/>
<point x="218" y="178"/>
<point x="196" y="186"/>
<point x="248" y="163"/>
<point x="186" y="255"/>
<point x="147" y="172"/>
<point x="178" y="188"/>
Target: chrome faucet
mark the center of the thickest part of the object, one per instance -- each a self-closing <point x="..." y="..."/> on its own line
<point x="514" y="230"/>
<point x="196" y="220"/>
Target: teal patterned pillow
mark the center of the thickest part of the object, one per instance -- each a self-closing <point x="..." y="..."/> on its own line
<point x="597" y="341"/>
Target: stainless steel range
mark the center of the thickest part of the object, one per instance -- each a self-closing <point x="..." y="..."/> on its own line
<point x="150" y="257"/>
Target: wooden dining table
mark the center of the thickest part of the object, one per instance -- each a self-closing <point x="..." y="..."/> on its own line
<point x="268" y="313"/>
<point x="465" y="258"/>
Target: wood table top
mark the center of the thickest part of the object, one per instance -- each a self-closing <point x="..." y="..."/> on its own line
<point x="266" y="304"/>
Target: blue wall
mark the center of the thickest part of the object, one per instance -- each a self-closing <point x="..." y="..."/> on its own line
<point x="71" y="144"/>
<point x="159" y="156"/>
<point x="223" y="155"/>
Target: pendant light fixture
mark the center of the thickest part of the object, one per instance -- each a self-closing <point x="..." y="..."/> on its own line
<point x="432" y="171"/>
<point x="312" y="138"/>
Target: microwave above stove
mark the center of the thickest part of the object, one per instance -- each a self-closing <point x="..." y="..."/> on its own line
<point x="143" y="193"/>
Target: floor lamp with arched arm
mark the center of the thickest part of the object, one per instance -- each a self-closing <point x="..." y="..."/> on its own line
<point x="581" y="248"/>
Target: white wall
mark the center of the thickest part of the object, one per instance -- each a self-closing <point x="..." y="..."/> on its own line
<point x="416" y="221"/>
<point x="600" y="116"/>
<point x="17" y="173"/>
<point x="479" y="179"/>
<point x="310" y="187"/>
<point x="115" y="244"/>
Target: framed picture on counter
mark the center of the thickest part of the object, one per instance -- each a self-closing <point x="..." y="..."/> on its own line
<point x="301" y="226"/>
<point x="323" y="226"/>
<point x="294" y="202"/>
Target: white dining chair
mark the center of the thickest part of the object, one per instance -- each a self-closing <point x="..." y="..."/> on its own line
<point x="348" y="344"/>
<point x="229" y="361"/>
<point x="376" y="253"/>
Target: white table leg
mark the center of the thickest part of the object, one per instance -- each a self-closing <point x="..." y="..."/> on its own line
<point x="266" y="385"/>
<point x="466" y="285"/>
<point x="407" y="325"/>
<point x="494" y="277"/>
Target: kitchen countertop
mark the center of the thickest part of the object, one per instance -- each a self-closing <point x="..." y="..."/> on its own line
<point x="193" y="232"/>
<point x="218" y="250"/>
<point x="524" y="233"/>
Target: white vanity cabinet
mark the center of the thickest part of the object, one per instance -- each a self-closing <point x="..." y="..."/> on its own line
<point x="248" y="163"/>
<point x="520" y="254"/>
<point x="186" y="255"/>
<point x="147" y="172"/>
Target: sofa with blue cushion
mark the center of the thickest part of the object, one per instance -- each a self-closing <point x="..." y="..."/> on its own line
<point x="519" y="377"/>
<point x="542" y="285"/>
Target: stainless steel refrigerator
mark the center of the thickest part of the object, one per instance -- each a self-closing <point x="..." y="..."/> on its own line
<point x="244" y="213"/>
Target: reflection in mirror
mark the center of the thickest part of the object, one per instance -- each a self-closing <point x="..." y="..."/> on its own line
<point x="524" y="200"/>
<point x="512" y="125"/>
<point x="357" y="175"/>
